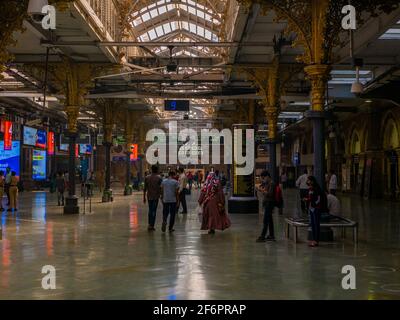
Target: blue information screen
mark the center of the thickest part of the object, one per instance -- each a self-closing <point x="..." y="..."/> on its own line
<point x="10" y="158"/>
<point x="176" y="105"/>
<point x="39" y="165"/>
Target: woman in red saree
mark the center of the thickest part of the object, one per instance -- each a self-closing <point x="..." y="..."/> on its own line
<point x="212" y="199"/>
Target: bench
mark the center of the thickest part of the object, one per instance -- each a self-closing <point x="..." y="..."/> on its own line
<point x="335" y="222"/>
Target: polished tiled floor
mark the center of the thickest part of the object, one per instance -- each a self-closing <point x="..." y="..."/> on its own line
<point x="108" y="254"/>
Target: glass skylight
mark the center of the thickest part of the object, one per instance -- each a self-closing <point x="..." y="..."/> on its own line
<point x="187" y="20"/>
<point x="392" y="33"/>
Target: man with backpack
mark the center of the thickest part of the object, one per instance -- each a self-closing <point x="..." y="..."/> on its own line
<point x="267" y="189"/>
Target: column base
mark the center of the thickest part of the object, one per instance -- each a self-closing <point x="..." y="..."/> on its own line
<point x="243" y="205"/>
<point x="107" y="196"/>
<point x="128" y="190"/>
<point x="71" y="205"/>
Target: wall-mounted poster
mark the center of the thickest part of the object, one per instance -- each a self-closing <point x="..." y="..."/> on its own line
<point x="39" y="165"/>
<point x="10" y="158"/>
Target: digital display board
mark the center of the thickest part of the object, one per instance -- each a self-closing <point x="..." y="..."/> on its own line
<point x="39" y="165"/>
<point x="30" y="136"/>
<point x="10" y="158"/>
<point x="35" y="137"/>
<point x="41" y="139"/>
<point x="176" y="105"/>
<point x="85" y="149"/>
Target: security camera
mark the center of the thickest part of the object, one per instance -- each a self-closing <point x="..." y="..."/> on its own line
<point x="35" y="10"/>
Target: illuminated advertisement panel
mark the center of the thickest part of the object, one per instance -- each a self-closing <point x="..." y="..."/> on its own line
<point x="10" y="158"/>
<point x="39" y="165"/>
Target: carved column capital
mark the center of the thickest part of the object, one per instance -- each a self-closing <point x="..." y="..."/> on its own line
<point x="318" y="75"/>
<point x="72" y="118"/>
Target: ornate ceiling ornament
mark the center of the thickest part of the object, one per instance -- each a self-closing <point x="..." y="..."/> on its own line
<point x="317" y="23"/>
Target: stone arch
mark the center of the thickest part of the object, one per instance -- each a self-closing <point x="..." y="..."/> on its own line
<point x="355" y="142"/>
<point x="390" y="133"/>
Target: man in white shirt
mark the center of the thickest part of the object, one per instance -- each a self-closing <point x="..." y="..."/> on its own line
<point x="333" y="183"/>
<point x="182" y="190"/>
<point x="301" y="183"/>
<point x="334" y="205"/>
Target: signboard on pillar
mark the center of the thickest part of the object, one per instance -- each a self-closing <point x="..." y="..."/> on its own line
<point x="7" y="135"/>
<point x="50" y="143"/>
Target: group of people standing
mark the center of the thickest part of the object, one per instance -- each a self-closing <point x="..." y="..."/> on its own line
<point x="172" y="194"/>
<point x="9" y="186"/>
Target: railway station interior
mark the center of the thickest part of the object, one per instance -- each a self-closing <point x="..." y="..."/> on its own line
<point x="85" y="83"/>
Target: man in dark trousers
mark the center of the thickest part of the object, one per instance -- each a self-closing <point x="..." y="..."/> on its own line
<point x="169" y="196"/>
<point x="152" y="190"/>
<point x="267" y="189"/>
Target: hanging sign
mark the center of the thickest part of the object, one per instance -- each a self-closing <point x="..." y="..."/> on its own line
<point x="7" y="135"/>
<point x="50" y="143"/>
<point x="134" y="152"/>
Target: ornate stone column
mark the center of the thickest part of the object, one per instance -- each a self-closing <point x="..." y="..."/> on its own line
<point x="107" y="143"/>
<point x="129" y="120"/>
<point x="71" y="201"/>
<point x="272" y="113"/>
<point x="318" y="75"/>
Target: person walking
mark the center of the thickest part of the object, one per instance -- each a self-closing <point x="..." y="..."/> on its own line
<point x="169" y="196"/>
<point x="317" y="203"/>
<point x="267" y="189"/>
<point x="7" y="184"/>
<point x="301" y="183"/>
<point x="190" y="180"/>
<point x="13" y="191"/>
<point x="182" y="190"/>
<point x="2" y="181"/>
<point x="332" y="186"/>
<point x="60" y="185"/>
<point x="212" y="199"/>
<point x="152" y="192"/>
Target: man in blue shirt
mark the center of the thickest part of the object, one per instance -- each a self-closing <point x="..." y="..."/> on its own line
<point x="169" y="197"/>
